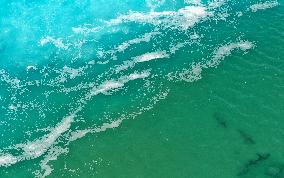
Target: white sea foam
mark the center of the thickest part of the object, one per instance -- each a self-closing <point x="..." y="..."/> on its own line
<point x="216" y="4"/>
<point x="52" y="155"/>
<point x="110" y="125"/>
<point x="46" y="144"/>
<point x="183" y="19"/>
<point x="195" y="2"/>
<point x="114" y="84"/>
<point x="67" y="73"/>
<point x="107" y="86"/>
<point x="264" y="5"/>
<point x="226" y="50"/>
<point x="142" y="58"/>
<point x="194" y="36"/>
<point x="7" y="160"/>
<point x="5" y="77"/>
<point x="145" y="38"/>
<point x="151" y="56"/>
<point x="78" y="134"/>
<point x="81" y="133"/>
<point x="92" y="62"/>
<point x="103" y="62"/>
<point x="55" y="151"/>
<point x="72" y="72"/>
<point x="194" y="72"/>
<point x="153" y="4"/>
<point x="116" y="123"/>
<point x="239" y="14"/>
<point x="30" y="67"/>
<point x="125" y="45"/>
<point x="56" y="42"/>
<point x="36" y="148"/>
<point x="85" y="30"/>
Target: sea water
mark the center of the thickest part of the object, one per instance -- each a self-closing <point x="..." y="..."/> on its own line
<point x="148" y="88"/>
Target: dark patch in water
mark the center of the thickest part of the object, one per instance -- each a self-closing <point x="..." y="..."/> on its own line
<point x="253" y="162"/>
<point x="220" y="120"/>
<point x="275" y="171"/>
<point x="246" y="137"/>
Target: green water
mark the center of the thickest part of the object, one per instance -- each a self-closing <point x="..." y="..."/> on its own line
<point x="213" y="108"/>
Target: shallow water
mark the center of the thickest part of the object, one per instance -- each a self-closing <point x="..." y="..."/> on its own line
<point x="154" y="88"/>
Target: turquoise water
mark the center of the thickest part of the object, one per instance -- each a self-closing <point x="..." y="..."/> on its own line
<point x="153" y="88"/>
